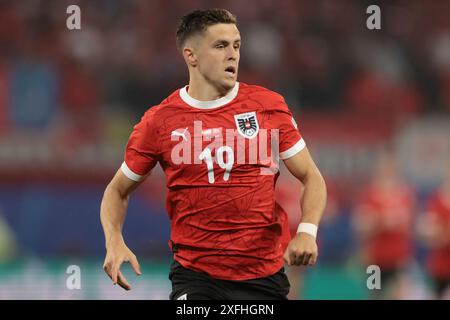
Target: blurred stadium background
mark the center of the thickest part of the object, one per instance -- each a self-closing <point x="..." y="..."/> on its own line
<point x="373" y="107"/>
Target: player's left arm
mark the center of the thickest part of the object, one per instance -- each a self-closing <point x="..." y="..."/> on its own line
<point x="302" y="249"/>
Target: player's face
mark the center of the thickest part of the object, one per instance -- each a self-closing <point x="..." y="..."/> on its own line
<point x="218" y="55"/>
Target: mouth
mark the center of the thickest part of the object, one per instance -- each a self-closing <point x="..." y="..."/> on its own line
<point x="231" y="71"/>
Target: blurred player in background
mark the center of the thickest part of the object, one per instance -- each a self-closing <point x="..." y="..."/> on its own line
<point x="229" y="236"/>
<point x="434" y="228"/>
<point x="384" y="221"/>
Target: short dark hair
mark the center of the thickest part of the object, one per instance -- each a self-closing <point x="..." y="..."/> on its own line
<point x="197" y="21"/>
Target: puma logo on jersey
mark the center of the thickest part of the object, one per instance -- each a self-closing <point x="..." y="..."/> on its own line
<point x="182" y="297"/>
<point x="176" y="133"/>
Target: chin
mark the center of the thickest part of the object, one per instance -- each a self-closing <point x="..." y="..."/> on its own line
<point x="228" y="84"/>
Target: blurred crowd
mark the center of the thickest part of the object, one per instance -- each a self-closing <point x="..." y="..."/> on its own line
<point x="69" y="98"/>
<point x="319" y="54"/>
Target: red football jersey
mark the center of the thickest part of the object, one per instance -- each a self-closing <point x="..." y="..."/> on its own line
<point x="439" y="258"/>
<point x="389" y="247"/>
<point x="220" y="161"/>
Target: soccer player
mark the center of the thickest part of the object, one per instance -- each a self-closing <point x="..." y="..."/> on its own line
<point x="434" y="229"/>
<point x="384" y="220"/>
<point x="218" y="142"/>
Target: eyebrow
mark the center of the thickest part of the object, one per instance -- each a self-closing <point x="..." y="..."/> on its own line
<point x="223" y="41"/>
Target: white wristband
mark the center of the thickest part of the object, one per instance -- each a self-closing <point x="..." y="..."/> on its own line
<point x="308" y="228"/>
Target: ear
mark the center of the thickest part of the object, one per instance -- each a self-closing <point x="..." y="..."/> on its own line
<point x="189" y="56"/>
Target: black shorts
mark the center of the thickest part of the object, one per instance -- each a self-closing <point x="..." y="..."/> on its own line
<point x="192" y="285"/>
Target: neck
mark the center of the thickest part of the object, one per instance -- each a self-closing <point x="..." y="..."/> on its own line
<point x="203" y="90"/>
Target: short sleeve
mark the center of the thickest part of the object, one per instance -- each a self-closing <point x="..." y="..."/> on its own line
<point x="142" y="150"/>
<point x="290" y="139"/>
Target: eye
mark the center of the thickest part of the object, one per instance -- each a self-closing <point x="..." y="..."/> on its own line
<point x="220" y="46"/>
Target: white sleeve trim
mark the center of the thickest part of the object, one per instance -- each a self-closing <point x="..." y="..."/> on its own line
<point x="130" y="174"/>
<point x="292" y="151"/>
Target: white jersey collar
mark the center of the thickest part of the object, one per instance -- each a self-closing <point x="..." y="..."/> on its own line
<point x="211" y="103"/>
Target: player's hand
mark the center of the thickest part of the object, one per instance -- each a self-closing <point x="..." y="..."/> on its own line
<point x="116" y="254"/>
<point x="302" y="250"/>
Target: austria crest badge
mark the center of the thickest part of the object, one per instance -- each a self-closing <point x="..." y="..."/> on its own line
<point x="247" y="124"/>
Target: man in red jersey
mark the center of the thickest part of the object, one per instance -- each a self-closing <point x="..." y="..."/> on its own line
<point x="384" y="220"/>
<point x="434" y="229"/>
<point x="218" y="142"/>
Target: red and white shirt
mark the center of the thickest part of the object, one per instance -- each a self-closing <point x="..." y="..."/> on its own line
<point x="389" y="248"/>
<point x="219" y="159"/>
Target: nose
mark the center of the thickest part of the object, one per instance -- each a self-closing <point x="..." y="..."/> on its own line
<point x="233" y="53"/>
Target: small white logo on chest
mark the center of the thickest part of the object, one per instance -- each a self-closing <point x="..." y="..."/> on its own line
<point x="176" y="133"/>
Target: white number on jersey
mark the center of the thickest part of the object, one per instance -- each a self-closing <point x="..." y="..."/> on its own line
<point x="227" y="166"/>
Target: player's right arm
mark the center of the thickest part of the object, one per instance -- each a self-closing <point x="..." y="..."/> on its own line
<point x="141" y="155"/>
<point x="112" y="215"/>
